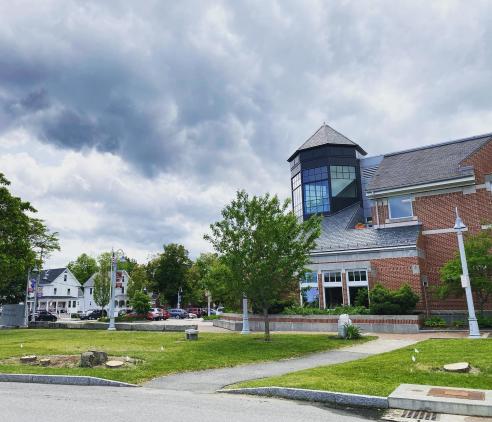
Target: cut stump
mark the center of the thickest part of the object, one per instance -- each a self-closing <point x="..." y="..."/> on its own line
<point x="114" y="364"/>
<point x="457" y="367"/>
<point x="28" y="359"/>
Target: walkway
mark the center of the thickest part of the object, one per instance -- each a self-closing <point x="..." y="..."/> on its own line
<point x="214" y="379"/>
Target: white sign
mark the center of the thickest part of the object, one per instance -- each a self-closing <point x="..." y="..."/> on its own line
<point x="465" y="281"/>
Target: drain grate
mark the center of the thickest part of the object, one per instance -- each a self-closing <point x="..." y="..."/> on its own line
<point x="402" y="415"/>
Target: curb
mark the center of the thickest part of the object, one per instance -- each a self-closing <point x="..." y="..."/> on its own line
<point x="63" y="379"/>
<point x="314" y="395"/>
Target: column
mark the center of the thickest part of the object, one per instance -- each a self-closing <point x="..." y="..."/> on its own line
<point x="345" y="293"/>
<point x="321" y="290"/>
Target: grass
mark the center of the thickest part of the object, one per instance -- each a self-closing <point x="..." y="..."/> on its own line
<point x="212" y="350"/>
<point x="379" y="375"/>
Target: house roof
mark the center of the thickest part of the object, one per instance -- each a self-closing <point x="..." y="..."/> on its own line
<point x="326" y="135"/>
<point x="338" y="233"/>
<point x="48" y="276"/>
<point x="428" y="164"/>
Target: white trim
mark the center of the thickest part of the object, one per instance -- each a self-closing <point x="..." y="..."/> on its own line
<point x="384" y="248"/>
<point x="425" y="186"/>
<point x="441" y="231"/>
<point x="486" y="226"/>
<point x="397" y="224"/>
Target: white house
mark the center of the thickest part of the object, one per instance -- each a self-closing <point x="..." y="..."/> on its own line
<point x="121" y="298"/>
<point x="58" y="291"/>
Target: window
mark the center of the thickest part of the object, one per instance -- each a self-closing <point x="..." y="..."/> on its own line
<point x="343" y="182"/>
<point x="297" y="195"/>
<point x="310" y="278"/>
<point x="54" y="290"/>
<point x="68" y="292"/>
<point x="358" y="288"/>
<point x="316" y="191"/>
<point x="333" y="289"/>
<point x="315" y="174"/>
<point x="400" y="207"/>
<point x="73" y="304"/>
<point x="333" y="277"/>
<point x="65" y="277"/>
<point x="90" y="291"/>
<point x="122" y="290"/>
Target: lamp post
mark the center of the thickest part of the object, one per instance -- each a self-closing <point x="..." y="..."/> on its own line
<point x="26" y="302"/>
<point x="459" y="227"/>
<point x="35" y="301"/>
<point x="180" y="292"/>
<point x="115" y="255"/>
<point x="245" y="329"/>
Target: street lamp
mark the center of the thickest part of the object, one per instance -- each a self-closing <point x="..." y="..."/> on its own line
<point x="115" y="256"/>
<point x="245" y="329"/>
<point x="460" y="227"/>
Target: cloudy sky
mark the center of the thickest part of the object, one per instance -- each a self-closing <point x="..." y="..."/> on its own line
<point x="130" y="124"/>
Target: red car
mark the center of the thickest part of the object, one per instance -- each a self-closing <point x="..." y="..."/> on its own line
<point x="165" y="314"/>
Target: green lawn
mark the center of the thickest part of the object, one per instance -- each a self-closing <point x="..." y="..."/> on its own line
<point x="379" y="375"/>
<point x="212" y="350"/>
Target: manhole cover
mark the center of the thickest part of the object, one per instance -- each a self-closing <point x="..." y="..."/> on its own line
<point x="457" y="394"/>
<point x="401" y="415"/>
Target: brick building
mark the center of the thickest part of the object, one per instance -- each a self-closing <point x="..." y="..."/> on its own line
<point x="389" y="218"/>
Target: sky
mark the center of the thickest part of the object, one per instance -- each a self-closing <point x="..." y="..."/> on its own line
<point x="132" y="124"/>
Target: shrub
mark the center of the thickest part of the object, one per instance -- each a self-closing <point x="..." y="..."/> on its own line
<point x="435" y="321"/>
<point x="141" y="303"/>
<point x="392" y="302"/>
<point x="74" y="316"/>
<point x="484" y="322"/>
<point x="211" y="317"/>
<point x="276" y="307"/>
<point x="353" y="332"/>
<point x="459" y="324"/>
<point x="362" y="298"/>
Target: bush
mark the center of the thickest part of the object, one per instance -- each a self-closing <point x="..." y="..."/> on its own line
<point x="392" y="302"/>
<point x="460" y="324"/>
<point x="362" y="298"/>
<point x="211" y="317"/>
<point x="276" y="307"/>
<point x="353" y="332"/>
<point x="350" y="310"/>
<point x="141" y="303"/>
<point x="74" y="316"/>
<point x="484" y="322"/>
<point x="435" y="321"/>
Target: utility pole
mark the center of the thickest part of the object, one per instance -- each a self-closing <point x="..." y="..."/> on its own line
<point x="459" y="227"/>
<point x="245" y="329"/>
<point x="26" y="303"/>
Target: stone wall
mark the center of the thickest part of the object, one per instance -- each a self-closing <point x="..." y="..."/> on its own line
<point x="324" y="323"/>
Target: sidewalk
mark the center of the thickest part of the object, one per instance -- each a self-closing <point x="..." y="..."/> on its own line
<point x="212" y="380"/>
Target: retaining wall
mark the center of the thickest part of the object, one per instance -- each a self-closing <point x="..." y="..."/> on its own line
<point x="399" y="324"/>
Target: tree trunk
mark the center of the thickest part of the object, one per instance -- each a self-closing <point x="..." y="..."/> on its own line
<point x="267" y="324"/>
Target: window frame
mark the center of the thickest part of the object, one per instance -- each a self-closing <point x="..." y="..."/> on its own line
<point x="356" y="283"/>
<point x="409" y="199"/>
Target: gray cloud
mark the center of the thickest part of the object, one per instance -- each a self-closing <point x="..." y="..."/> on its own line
<point x="223" y="92"/>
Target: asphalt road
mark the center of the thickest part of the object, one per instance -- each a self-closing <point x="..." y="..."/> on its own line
<point x="53" y="403"/>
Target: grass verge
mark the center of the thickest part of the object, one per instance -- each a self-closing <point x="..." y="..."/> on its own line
<point x="379" y="375"/>
<point x="160" y="353"/>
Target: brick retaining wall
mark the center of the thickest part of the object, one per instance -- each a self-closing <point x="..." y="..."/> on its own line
<point x="324" y="323"/>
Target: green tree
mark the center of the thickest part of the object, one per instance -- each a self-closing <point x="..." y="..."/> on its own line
<point x="83" y="267"/>
<point x="24" y="243"/>
<point x="265" y="248"/>
<point x="169" y="272"/>
<point x="140" y="302"/>
<point x="102" y="288"/>
<point x="139" y="281"/>
<point x="478" y="249"/>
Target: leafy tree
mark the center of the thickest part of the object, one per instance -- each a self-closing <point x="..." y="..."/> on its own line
<point x="478" y="250"/>
<point x="83" y="267"/>
<point x="140" y="302"/>
<point x="138" y="281"/>
<point x="169" y="272"/>
<point x="392" y="302"/>
<point x="102" y="288"/>
<point x="264" y="246"/>
<point x="24" y="243"/>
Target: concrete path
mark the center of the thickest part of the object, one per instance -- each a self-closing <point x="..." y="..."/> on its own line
<point x="212" y="380"/>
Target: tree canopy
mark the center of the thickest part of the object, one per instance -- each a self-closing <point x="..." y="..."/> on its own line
<point x="264" y="246"/>
<point x="478" y="250"/>
<point x="25" y="242"/>
<point x="102" y="288"/>
<point x="139" y="281"/>
<point x="83" y="267"/>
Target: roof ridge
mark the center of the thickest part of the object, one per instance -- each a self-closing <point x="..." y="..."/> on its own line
<point x="455" y="141"/>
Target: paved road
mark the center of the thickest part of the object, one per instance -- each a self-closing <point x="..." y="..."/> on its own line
<point x="212" y="380"/>
<point x="57" y="403"/>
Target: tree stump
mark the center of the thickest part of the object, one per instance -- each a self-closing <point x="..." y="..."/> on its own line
<point x="28" y="359"/>
<point x="45" y="362"/>
<point x="87" y="360"/>
<point x="100" y="357"/>
<point x="114" y="364"/>
<point x="457" y="367"/>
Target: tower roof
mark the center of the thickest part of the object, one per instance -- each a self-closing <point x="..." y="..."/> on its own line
<point x="326" y="135"/>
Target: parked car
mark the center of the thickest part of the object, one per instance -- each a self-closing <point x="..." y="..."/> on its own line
<point x="165" y="314"/>
<point x="198" y="312"/>
<point x="218" y="311"/>
<point x="178" y="313"/>
<point x="95" y="314"/>
<point x="156" y="313"/>
<point x="43" y="316"/>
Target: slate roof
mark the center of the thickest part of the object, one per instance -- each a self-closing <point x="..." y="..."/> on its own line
<point x="326" y="135"/>
<point x="338" y="233"/>
<point x="432" y="163"/>
<point x="48" y="276"/>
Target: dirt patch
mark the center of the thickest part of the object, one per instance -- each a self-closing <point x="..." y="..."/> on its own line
<point x="68" y="361"/>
